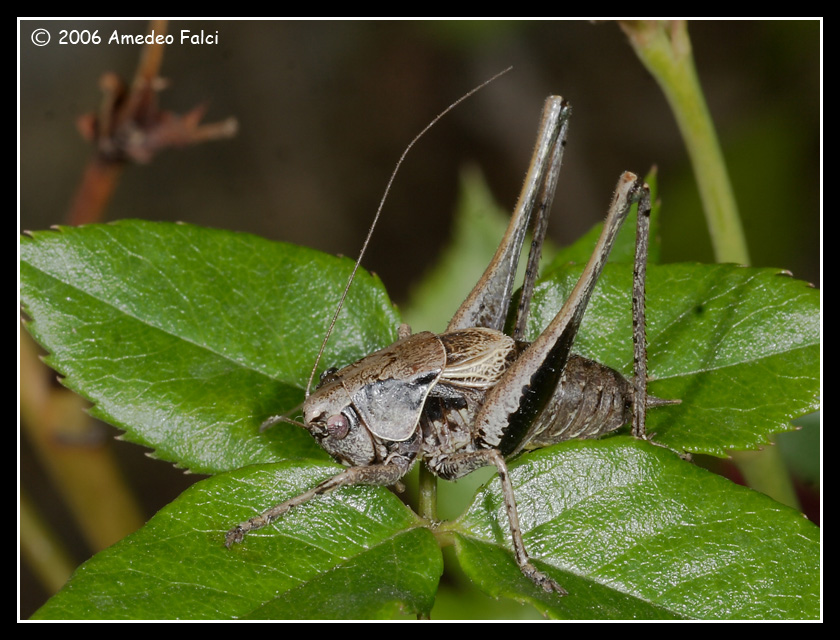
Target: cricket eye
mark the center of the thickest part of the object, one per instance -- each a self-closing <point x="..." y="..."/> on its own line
<point x="338" y="426"/>
<point x="327" y="377"/>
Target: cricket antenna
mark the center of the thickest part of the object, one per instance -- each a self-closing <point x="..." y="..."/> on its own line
<point x="376" y="219"/>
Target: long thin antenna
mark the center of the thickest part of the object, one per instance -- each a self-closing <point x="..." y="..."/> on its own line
<point x="376" y="218"/>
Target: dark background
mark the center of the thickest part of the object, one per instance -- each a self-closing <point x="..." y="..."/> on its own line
<point x="326" y="108"/>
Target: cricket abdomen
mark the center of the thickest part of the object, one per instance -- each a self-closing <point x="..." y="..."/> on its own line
<point x="590" y="401"/>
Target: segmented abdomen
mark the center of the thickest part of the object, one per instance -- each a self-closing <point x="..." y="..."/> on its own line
<point x="590" y="401"/>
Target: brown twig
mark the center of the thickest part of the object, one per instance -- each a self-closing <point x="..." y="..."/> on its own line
<point x="129" y="127"/>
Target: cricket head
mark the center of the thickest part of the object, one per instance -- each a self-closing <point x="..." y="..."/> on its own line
<point x="331" y="418"/>
<point x="375" y="401"/>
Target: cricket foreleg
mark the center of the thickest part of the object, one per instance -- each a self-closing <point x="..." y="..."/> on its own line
<point x="381" y="475"/>
<point x="461" y="464"/>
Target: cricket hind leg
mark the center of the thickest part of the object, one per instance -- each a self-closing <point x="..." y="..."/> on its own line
<point x="595" y="384"/>
<point x="642" y="401"/>
<point x="510" y="416"/>
<point x="640" y="395"/>
<point x="487" y="304"/>
<point x="458" y="465"/>
<point x="591" y="399"/>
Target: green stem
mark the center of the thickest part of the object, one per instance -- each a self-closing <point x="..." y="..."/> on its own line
<point x="427" y="504"/>
<point x="664" y="47"/>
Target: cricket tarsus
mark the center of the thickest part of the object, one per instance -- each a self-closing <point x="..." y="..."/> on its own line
<point x="541" y="580"/>
<point x="472" y="396"/>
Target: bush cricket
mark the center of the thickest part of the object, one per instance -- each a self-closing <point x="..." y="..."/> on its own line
<point x="474" y="396"/>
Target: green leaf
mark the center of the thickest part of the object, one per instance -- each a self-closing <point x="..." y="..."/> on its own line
<point x="739" y="347"/>
<point x="359" y="553"/>
<point x="633" y="531"/>
<point x="189" y="338"/>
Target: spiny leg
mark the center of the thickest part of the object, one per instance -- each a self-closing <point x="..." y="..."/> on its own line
<point x="639" y="334"/>
<point x="512" y="408"/>
<point x="642" y="401"/>
<point x="540" y="226"/>
<point x="488" y="302"/>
